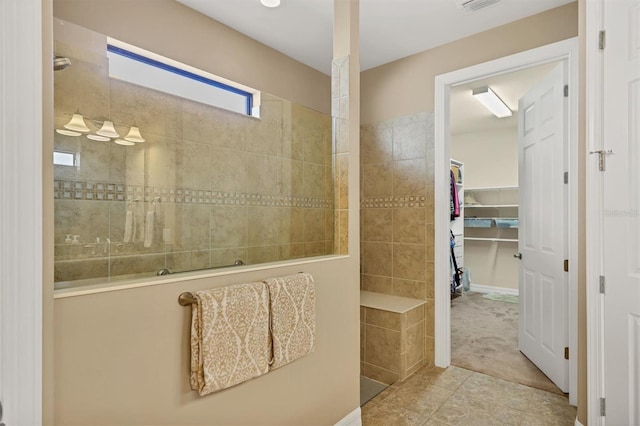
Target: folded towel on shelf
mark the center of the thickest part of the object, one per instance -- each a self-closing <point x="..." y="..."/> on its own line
<point x="473" y="222"/>
<point x="506" y="222"/>
<point x="293" y="317"/>
<point x="229" y="336"/>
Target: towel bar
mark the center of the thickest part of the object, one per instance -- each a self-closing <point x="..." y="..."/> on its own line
<point x="165" y="271"/>
<point x="186" y="299"/>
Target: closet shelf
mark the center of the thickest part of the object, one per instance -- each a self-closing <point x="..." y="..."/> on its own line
<point x="492" y="188"/>
<point x="493" y="240"/>
<point x="490" y="222"/>
<point x="493" y="206"/>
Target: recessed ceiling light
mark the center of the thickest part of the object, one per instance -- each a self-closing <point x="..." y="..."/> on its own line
<point x="270" y="3"/>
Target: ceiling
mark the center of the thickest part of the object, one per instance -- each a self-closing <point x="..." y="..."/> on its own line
<point x="469" y="115"/>
<point x="389" y="29"/>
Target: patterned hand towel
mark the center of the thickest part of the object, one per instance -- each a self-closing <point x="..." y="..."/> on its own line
<point x="229" y="336"/>
<point x="293" y="317"/>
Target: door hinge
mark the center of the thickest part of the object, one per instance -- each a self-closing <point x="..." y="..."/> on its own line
<point x="603" y="407"/>
<point x="601" y="284"/>
<point x="566" y="265"/>
<point x="566" y="177"/>
<point x="602" y="40"/>
<point x="566" y="353"/>
<point x="566" y="90"/>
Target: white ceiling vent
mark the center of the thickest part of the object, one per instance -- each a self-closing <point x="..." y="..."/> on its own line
<point x="471" y="6"/>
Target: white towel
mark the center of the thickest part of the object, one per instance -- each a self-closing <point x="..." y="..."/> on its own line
<point x="129" y="226"/>
<point x="148" y="227"/>
<point x="293" y="317"/>
<point x="229" y="336"/>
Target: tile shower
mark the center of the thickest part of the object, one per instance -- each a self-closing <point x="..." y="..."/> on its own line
<point x="396" y="239"/>
<point x="221" y="186"/>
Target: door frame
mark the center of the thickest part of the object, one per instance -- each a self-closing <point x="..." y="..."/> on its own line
<point x="566" y="51"/>
<point x="21" y="181"/>
<point x="594" y="101"/>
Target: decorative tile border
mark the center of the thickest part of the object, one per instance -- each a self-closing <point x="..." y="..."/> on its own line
<point x="105" y="191"/>
<point x="391" y="202"/>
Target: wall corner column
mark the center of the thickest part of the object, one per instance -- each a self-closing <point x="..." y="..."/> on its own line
<point x="345" y="113"/>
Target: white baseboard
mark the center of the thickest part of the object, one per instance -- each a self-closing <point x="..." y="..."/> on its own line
<point x="354" y="418"/>
<point x="577" y="423"/>
<point x="479" y="288"/>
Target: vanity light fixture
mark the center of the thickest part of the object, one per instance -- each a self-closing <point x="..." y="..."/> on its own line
<point x="492" y="102"/>
<point x="107" y="130"/>
<point x="77" y="124"/>
<point x="134" y="135"/>
<point x="98" y="138"/>
<point x="68" y="132"/>
<point x="270" y="3"/>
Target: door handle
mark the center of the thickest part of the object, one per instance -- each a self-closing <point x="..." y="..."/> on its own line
<point x="518" y="255"/>
<point x="602" y="157"/>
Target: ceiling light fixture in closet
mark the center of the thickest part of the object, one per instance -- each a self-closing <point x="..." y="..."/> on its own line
<point x="471" y="6"/>
<point x="492" y="102"/>
<point x="270" y="3"/>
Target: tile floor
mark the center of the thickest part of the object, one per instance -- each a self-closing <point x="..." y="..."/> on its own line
<point x="456" y="396"/>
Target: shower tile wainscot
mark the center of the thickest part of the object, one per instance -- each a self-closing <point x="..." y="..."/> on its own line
<point x="392" y="336"/>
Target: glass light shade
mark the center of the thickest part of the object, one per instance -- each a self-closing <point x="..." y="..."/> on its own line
<point x="124" y="142"/>
<point x="77" y="124"/>
<point x="68" y="132"/>
<point x="108" y="130"/>
<point x="98" y="138"/>
<point x="134" y="135"/>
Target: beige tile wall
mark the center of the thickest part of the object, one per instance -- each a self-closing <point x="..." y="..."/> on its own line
<point x="340" y="117"/>
<point x="396" y="212"/>
<point x="392" y="345"/>
<point x="226" y="186"/>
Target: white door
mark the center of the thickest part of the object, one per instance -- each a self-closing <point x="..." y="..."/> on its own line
<point x="543" y="326"/>
<point x="621" y="236"/>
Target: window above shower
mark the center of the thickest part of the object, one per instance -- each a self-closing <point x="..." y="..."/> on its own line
<point x="138" y="66"/>
<point x="208" y="187"/>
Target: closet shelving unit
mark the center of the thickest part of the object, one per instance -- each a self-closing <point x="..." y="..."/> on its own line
<point x="491" y="214"/>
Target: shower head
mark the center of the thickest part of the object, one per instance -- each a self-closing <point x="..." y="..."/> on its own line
<point x="60" y="63"/>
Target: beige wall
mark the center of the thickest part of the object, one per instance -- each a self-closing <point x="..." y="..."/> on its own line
<point x="490" y="157"/>
<point x="170" y="29"/>
<point x="121" y="357"/>
<point x="406" y="87"/>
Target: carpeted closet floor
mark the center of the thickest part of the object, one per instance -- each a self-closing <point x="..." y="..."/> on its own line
<point x="484" y="338"/>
